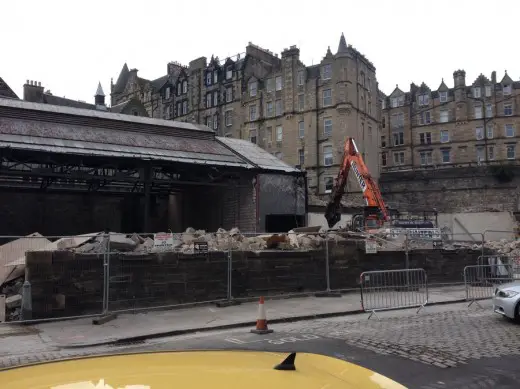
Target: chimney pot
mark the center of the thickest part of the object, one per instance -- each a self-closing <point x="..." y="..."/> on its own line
<point x="27" y="82"/>
<point x="39" y="83"/>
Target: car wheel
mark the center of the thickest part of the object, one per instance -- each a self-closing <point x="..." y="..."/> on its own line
<point x="517" y="312"/>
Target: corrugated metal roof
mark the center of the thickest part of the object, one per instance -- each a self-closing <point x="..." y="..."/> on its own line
<point x="87" y="140"/>
<point x="64" y="146"/>
<point x="92" y="113"/>
<point x="257" y="155"/>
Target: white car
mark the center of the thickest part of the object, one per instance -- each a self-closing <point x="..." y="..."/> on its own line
<point x="506" y="300"/>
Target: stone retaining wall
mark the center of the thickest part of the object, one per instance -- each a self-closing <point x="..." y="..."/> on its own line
<point x="66" y="283"/>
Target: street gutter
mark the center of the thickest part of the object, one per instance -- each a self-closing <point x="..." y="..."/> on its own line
<point x="130" y="339"/>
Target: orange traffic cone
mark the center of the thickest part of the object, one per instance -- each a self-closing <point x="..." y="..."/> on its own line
<point x="261" y="322"/>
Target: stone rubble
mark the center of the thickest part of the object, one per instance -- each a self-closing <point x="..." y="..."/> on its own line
<point x="503" y="247"/>
<point x="13" y="302"/>
<point x="223" y="240"/>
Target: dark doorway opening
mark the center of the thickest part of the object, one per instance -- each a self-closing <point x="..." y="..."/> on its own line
<point x="283" y="223"/>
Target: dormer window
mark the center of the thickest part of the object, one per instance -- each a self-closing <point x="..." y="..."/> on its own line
<point x="215" y="77"/>
<point x="424" y="99"/>
<point x="167" y="93"/>
<point x="476" y="92"/>
<point x="397" y="101"/>
<point x="383" y="104"/>
<point x="252" y="88"/>
<point x="488" y="90"/>
<point x="506" y="89"/>
<point x="327" y="71"/>
<point x="179" y="90"/>
<point x="208" y="78"/>
<point x="443" y="97"/>
<point x="185" y="86"/>
<point x="229" y="72"/>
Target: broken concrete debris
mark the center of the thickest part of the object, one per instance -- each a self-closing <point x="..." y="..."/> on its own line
<point x="308" y="238"/>
<point x="503" y="247"/>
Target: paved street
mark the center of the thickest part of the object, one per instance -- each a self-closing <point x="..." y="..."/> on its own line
<point x="81" y="332"/>
<point x="450" y="346"/>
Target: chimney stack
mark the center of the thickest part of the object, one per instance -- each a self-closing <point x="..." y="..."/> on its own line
<point x="33" y="91"/>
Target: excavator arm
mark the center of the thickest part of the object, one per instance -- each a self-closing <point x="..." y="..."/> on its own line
<point x="352" y="160"/>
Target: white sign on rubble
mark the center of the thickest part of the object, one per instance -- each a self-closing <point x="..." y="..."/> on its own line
<point x="417" y="233"/>
<point x="370" y="246"/>
<point x="163" y="241"/>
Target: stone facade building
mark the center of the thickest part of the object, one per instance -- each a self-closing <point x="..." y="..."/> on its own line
<point x="302" y="114"/>
<point x="34" y="92"/>
<point x="468" y="124"/>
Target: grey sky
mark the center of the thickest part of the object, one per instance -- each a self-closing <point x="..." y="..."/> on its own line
<point x="70" y="47"/>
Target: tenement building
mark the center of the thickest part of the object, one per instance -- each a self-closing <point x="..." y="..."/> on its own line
<point x="302" y="114"/>
<point x="467" y="124"/>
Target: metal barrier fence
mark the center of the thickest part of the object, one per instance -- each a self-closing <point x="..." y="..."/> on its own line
<point x="100" y="273"/>
<point x="480" y="280"/>
<point x="392" y="289"/>
<point x="445" y="240"/>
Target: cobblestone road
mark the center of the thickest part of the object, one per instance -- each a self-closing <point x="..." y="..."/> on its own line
<point x="444" y="339"/>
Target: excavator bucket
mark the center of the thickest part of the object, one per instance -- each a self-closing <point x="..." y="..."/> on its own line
<point x="332" y="214"/>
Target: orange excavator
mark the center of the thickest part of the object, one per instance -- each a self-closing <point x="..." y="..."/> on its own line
<point x="375" y="212"/>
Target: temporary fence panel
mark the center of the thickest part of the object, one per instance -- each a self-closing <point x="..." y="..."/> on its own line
<point x="279" y="264"/>
<point x="49" y="277"/>
<point x="177" y="270"/>
<point x="510" y="259"/>
<point x="392" y="289"/>
<point x="480" y="280"/>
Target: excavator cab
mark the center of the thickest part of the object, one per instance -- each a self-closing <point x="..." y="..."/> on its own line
<point x="373" y="218"/>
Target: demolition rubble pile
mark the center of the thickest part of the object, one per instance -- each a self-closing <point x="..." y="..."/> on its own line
<point x="221" y="240"/>
<point x="502" y="247"/>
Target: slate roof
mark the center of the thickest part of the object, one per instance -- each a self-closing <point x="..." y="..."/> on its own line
<point x="256" y="155"/>
<point x="64" y="102"/>
<point x="120" y="107"/>
<point x="159" y="83"/>
<point x="122" y="79"/>
<point x="342" y="47"/>
<point x="6" y="91"/>
<point x="55" y="129"/>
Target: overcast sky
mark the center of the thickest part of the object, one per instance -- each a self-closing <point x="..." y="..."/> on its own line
<point x="71" y="45"/>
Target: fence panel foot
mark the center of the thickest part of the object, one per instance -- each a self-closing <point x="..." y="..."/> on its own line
<point x="227" y="303"/>
<point x="327" y="294"/>
<point x="105" y="318"/>
<point x="373" y="313"/>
